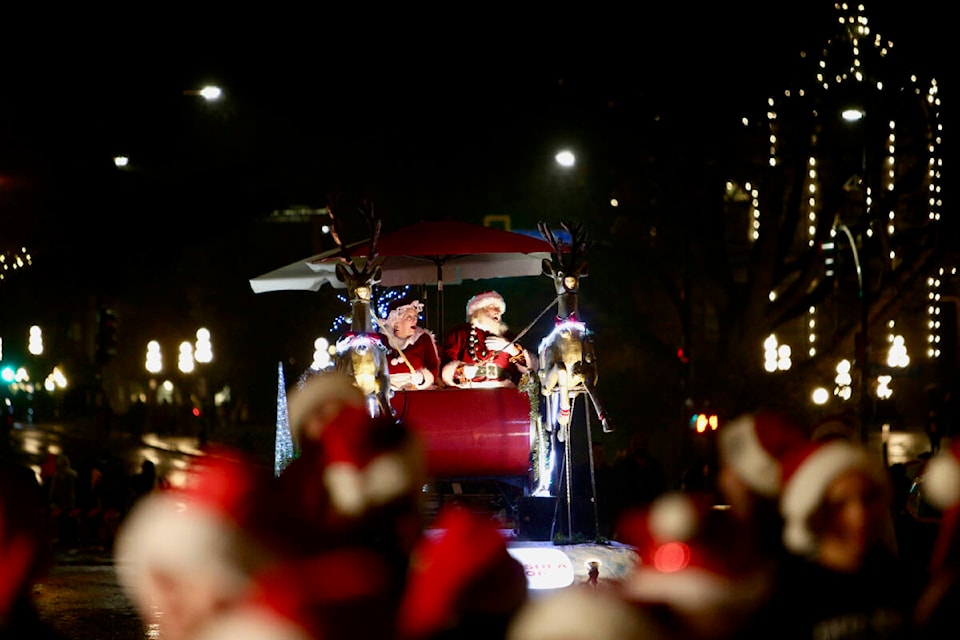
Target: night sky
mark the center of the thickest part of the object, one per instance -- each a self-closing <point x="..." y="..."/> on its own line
<point x="410" y="108"/>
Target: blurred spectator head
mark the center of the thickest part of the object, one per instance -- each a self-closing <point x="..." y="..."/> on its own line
<point x="189" y="552"/>
<point x="836" y="503"/>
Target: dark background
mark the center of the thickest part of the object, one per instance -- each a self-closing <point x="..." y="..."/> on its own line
<point x="429" y="114"/>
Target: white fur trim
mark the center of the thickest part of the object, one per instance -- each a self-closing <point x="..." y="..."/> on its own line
<point x="741" y="450"/>
<point x="579" y="613"/>
<point x="941" y="481"/>
<point x="388" y="476"/>
<point x="485" y="299"/>
<point x="694" y="590"/>
<point x="689" y="588"/>
<point x="428" y="379"/>
<point x="448" y="371"/>
<point x="185" y="541"/>
<point x="673" y="517"/>
<point x="252" y="623"/>
<point x="804" y="490"/>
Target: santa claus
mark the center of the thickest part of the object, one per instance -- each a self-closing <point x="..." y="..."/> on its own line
<point x="412" y="356"/>
<point x="480" y="353"/>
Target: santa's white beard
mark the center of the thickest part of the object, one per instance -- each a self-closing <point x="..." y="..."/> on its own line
<point x="491" y="326"/>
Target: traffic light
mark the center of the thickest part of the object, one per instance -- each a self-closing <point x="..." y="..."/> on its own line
<point x="106" y="335"/>
<point x="704" y="422"/>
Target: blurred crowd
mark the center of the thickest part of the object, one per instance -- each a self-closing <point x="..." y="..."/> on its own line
<point x="798" y="534"/>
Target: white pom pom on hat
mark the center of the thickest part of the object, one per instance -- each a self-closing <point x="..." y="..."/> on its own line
<point x="941" y="479"/>
<point x="485" y="299"/>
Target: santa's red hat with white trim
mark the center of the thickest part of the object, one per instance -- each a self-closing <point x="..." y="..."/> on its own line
<point x="808" y="473"/>
<point x="752" y="445"/>
<point x="483" y="300"/>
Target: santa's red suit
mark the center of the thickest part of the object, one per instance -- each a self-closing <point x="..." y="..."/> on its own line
<point x="477" y="358"/>
<point x="421" y="352"/>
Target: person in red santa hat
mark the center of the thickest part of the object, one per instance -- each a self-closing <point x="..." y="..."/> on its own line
<point x="357" y="480"/>
<point x="480" y="353"/>
<point x="844" y="577"/>
<point x="187" y="554"/>
<point x="750" y="451"/>
<point x="412" y="356"/>
<point x="940" y="484"/>
<point x="692" y="574"/>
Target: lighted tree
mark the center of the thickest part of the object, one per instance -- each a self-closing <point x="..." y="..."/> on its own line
<point x="283" y="448"/>
<point x="798" y="179"/>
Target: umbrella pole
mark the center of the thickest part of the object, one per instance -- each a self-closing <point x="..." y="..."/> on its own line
<point x="440" y="300"/>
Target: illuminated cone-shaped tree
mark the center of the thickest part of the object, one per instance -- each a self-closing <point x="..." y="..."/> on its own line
<point x="283" y="449"/>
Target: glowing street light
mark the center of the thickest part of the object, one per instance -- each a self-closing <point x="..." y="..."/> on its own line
<point x="210" y="92"/>
<point x="565" y="158"/>
<point x="185" y="362"/>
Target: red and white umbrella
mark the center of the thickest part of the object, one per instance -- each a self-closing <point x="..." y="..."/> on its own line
<point x="433" y="252"/>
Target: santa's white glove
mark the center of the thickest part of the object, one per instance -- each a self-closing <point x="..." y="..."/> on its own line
<point x="400" y="380"/>
<point x="496" y="343"/>
<point x="469" y="371"/>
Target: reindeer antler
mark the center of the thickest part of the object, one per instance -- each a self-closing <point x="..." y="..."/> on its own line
<point x="371" y="267"/>
<point x="580" y="245"/>
<point x="571" y="258"/>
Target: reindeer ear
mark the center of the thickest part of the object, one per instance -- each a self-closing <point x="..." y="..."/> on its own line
<point x="377" y="275"/>
<point x="584" y="270"/>
<point x="341" y="272"/>
<point x="547" y="267"/>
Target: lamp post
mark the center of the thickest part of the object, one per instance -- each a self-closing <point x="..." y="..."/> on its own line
<point x="859" y="115"/>
<point x="862" y="367"/>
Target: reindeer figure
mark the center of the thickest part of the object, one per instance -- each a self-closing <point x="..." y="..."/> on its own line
<point x="568" y="363"/>
<point x="360" y="353"/>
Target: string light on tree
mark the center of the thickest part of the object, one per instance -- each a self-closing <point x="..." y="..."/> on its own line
<point x="14" y="261"/>
<point x="380" y="300"/>
<point x="884" y="392"/>
<point x="856" y="62"/>
<point x="843" y="380"/>
<point x="897" y="355"/>
<point x="776" y="356"/>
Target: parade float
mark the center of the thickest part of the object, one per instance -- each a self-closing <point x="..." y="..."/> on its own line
<point x="517" y="438"/>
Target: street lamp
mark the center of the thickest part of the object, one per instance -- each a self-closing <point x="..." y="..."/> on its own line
<point x="210" y="93"/>
<point x="859" y="115"/>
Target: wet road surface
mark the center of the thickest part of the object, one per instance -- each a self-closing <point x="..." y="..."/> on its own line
<point x="80" y="597"/>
